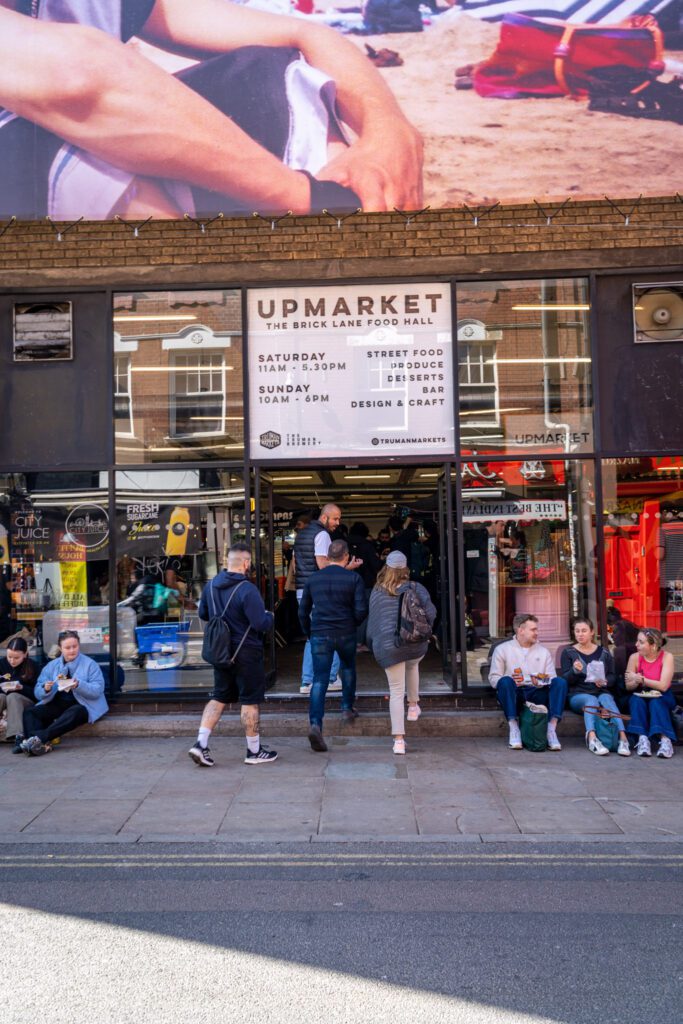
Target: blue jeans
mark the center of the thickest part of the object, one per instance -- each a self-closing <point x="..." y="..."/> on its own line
<point x="307" y="667"/>
<point x="511" y="697"/>
<point x="578" y="701"/>
<point x="651" y="716"/>
<point x="323" y="649"/>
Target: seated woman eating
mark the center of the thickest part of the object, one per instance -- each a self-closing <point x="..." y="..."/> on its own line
<point x="649" y="674"/>
<point x="70" y="692"/>
<point x="18" y="676"/>
<point x="589" y="671"/>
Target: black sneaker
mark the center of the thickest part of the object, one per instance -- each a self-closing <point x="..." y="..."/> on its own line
<point x="315" y="738"/>
<point x="262" y="756"/>
<point x="201" y="755"/>
<point x="18" y="740"/>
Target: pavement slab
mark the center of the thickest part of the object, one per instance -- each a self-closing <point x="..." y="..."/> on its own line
<point x="83" y="816"/>
<point x="142" y="789"/>
<point x="169" y="815"/>
<point x="546" y="816"/>
<point x="643" y="815"/>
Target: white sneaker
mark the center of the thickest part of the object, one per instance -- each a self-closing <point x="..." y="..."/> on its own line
<point x="623" y="749"/>
<point x="413" y="712"/>
<point x="596" y="747"/>
<point x="553" y="742"/>
<point x="666" y="747"/>
<point x="644" y="749"/>
<point x="399" y="745"/>
<point x="335" y="686"/>
<point x="515" y="740"/>
<point x="305" y="688"/>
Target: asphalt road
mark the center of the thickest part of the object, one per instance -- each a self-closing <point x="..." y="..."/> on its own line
<point x="271" y="933"/>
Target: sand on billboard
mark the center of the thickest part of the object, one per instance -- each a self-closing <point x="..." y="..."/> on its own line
<point x="479" y="150"/>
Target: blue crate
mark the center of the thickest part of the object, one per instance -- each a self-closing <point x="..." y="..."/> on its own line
<point x="159" y="634"/>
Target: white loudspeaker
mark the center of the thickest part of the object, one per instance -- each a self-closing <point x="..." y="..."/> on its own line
<point x="658" y="312"/>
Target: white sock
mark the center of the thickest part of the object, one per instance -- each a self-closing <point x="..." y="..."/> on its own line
<point x="203" y="737"/>
<point x="254" y="743"/>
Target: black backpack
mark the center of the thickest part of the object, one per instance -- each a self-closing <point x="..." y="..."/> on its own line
<point x="217" y="643"/>
<point x="413" y="626"/>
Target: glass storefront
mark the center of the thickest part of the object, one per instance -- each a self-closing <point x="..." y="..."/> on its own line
<point x="524" y="367"/>
<point x="173" y="530"/>
<point x="643" y="537"/>
<point x="529" y="545"/>
<point x="54" y="560"/>
<point x="122" y="551"/>
<point x="178" y="376"/>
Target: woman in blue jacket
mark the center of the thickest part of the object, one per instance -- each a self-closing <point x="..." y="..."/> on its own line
<point x="70" y="692"/>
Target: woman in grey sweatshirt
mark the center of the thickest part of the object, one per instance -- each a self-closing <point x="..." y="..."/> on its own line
<point x="399" y="660"/>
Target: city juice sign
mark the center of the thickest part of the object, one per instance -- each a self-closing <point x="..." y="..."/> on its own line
<point x="351" y="371"/>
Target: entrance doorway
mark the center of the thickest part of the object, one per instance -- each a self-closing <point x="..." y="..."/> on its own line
<point x="382" y="500"/>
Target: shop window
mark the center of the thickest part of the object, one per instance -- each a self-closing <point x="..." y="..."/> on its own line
<point x="477" y="375"/>
<point x="643" y="531"/>
<point x="528" y="546"/>
<point x="524" y="367"/>
<point x="54" y="560"/>
<point x="123" y="405"/>
<point x="173" y="530"/>
<point x="198" y="394"/>
<point x="183" y="380"/>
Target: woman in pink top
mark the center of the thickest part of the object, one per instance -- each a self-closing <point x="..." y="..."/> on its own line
<point x="650" y="671"/>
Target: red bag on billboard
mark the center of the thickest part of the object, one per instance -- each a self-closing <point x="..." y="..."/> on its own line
<point x="540" y="58"/>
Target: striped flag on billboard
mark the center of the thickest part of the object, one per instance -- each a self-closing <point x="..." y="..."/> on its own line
<point x="581" y="12"/>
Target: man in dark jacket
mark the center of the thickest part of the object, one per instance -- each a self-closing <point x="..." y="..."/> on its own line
<point x="310" y="554"/>
<point x="333" y="605"/>
<point x="245" y="679"/>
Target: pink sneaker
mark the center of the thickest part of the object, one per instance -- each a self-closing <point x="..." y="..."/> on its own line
<point x="413" y="712"/>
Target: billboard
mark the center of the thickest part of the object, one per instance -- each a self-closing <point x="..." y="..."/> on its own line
<point x="356" y="370"/>
<point x="380" y="107"/>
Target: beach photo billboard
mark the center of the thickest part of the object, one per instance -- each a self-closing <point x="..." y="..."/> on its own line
<point x="157" y="108"/>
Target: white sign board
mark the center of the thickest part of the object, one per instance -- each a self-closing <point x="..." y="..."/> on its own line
<point x="350" y="370"/>
<point x="483" y="512"/>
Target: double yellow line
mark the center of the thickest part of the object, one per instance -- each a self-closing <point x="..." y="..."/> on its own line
<point x="152" y="860"/>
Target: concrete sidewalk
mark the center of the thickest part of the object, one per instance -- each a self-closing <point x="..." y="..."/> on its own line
<point x="447" y="790"/>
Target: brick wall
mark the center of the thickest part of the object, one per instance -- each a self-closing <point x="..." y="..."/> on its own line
<point x="585" y="235"/>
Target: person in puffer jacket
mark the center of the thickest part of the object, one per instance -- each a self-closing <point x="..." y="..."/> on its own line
<point x="400" y="662"/>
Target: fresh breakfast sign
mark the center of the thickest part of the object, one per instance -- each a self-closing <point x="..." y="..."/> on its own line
<point x="352" y="371"/>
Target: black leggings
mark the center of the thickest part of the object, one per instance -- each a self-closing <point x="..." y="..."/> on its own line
<point x="48" y="721"/>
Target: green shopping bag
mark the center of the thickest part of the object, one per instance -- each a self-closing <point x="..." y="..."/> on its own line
<point x="533" y="725"/>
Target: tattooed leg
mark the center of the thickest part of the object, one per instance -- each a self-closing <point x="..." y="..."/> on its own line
<point x="250" y="719"/>
<point x="211" y="714"/>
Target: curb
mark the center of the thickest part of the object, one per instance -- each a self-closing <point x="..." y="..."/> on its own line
<point x="260" y="839"/>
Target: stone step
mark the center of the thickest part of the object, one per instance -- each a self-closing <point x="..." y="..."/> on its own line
<point x="431" y="723"/>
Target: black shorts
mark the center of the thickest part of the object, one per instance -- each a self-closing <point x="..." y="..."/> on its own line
<point x="244" y="682"/>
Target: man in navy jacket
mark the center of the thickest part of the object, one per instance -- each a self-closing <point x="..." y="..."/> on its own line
<point x="232" y="595"/>
<point x="333" y="605"/>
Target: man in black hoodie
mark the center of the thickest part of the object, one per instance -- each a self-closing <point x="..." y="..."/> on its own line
<point x="239" y="602"/>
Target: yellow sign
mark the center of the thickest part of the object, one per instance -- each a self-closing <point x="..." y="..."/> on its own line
<point x="74" y="584"/>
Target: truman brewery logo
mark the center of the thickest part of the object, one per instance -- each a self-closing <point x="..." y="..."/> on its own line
<point x="270" y="439"/>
